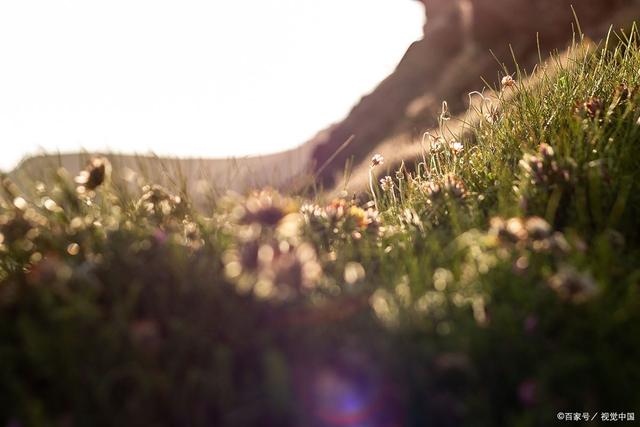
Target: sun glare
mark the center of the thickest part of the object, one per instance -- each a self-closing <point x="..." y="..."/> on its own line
<point x="193" y="78"/>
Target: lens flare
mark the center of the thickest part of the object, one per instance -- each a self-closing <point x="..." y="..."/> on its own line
<point x="337" y="397"/>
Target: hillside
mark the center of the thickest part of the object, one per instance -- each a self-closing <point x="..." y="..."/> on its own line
<point x="495" y="282"/>
<point x="464" y="43"/>
<point x="196" y="175"/>
<point x="457" y="55"/>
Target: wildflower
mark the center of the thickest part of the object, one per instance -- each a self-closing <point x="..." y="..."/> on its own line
<point x="97" y="171"/>
<point x="411" y="218"/>
<point x="623" y="93"/>
<point x="456" y="147"/>
<point x="358" y="219"/>
<point x="537" y="228"/>
<point x="436" y="144"/>
<point x="509" y="231"/>
<point x="386" y="183"/>
<point x="154" y="194"/>
<point x="516" y="230"/>
<point x="266" y="208"/>
<point x="508" y="81"/>
<point x="546" y="151"/>
<point x="533" y="232"/>
<point x="373" y="221"/>
<point x="311" y="210"/>
<point x="157" y="200"/>
<point x="314" y="216"/>
<point x="377" y="160"/>
<point x="266" y="215"/>
<point x="192" y="235"/>
<point x="16" y="227"/>
<point x="573" y="286"/>
<point x="358" y="215"/>
<point x="591" y="108"/>
<point x="454" y="186"/>
<point x="492" y="115"/>
<point x="534" y="167"/>
<point x="336" y="210"/>
<point x="544" y="168"/>
<point x="431" y="189"/>
<point x="292" y="269"/>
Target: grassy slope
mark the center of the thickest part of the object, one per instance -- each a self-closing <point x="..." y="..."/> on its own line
<point x="237" y="174"/>
<point x="497" y="286"/>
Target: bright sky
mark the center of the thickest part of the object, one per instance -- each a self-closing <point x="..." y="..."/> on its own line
<point x="189" y="78"/>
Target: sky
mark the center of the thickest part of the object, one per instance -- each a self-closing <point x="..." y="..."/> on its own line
<point x="190" y="78"/>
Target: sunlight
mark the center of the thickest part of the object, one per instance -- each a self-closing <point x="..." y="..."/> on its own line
<point x="201" y="79"/>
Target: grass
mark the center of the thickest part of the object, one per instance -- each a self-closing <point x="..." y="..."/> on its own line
<point x="497" y="284"/>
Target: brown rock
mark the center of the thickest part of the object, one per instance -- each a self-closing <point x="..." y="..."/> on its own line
<point x="449" y="62"/>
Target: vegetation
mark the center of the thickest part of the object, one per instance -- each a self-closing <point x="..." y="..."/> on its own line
<point x="496" y="284"/>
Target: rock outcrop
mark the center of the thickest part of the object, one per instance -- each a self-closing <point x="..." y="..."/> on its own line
<point x="451" y="60"/>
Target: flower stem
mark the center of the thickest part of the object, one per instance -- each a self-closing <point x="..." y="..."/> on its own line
<point x="373" y="192"/>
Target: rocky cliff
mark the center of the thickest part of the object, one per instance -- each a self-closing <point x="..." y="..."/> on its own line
<point x="461" y="39"/>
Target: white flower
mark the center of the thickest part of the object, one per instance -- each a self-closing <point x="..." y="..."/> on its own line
<point x="377" y="160"/>
<point x="456" y="147"/>
<point x="386" y="183"/>
<point x="508" y="81"/>
<point x="436" y="144"/>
